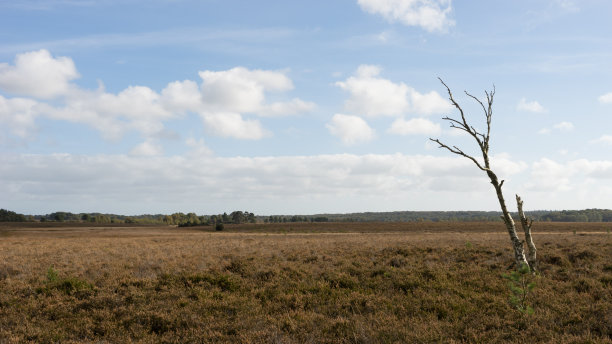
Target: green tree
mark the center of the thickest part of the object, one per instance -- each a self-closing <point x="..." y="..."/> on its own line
<point x="11" y="216"/>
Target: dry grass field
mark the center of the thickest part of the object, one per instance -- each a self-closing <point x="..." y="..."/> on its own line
<point x="300" y="283"/>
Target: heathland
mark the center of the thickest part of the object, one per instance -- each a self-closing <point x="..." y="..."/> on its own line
<point x="300" y="283"/>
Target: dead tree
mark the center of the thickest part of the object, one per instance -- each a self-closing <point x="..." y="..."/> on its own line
<point x="526" y="224"/>
<point x="482" y="139"/>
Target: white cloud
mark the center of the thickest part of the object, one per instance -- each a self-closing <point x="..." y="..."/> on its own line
<point x="17" y="116"/>
<point x="567" y="5"/>
<point x="198" y="148"/>
<point x="290" y="184"/>
<point x="505" y="165"/>
<point x="182" y="96"/>
<point x="383" y="36"/>
<point x="279" y="109"/>
<point x="239" y="89"/>
<point x="226" y="95"/>
<point x="605" y="98"/>
<point x="351" y="129"/>
<point x="544" y="131"/>
<point x="414" y="126"/>
<point x="367" y="71"/>
<point x="564" y="126"/>
<point x="228" y="124"/>
<point x="139" y="183"/>
<point x="606" y="139"/>
<point x="38" y="74"/>
<point x="532" y="106"/>
<point x="373" y="96"/>
<point x="431" y="15"/>
<point x="561" y="127"/>
<point x="136" y="108"/>
<point x="147" y="148"/>
<point x="576" y="175"/>
<point x="137" y="102"/>
<point x="221" y="100"/>
<point x="429" y="103"/>
<point x="548" y="175"/>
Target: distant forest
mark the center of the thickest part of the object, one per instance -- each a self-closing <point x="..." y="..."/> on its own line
<point x="236" y="217"/>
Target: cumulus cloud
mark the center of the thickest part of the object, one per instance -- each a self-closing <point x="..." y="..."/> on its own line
<point x="136" y="108"/>
<point x="280" y="109"/>
<point x="17" y="116"/>
<point x="605" y="98"/>
<point x="38" y="74"/>
<point x="182" y="96"/>
<point x="350" y="129"/>
<point x="414" y="126"/>
<point x="239" y="89"/>
<point x="147" y="148"/>
<point x="373" y="96"/>
<point x="222" y="99"/>
<point x="532" y="106"/>
<point x="228" y="124"/>
<point x="429" y="103"/>
<point x="431" y="15"/>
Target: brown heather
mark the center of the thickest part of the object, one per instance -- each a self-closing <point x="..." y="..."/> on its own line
<point x="300" y="283"/>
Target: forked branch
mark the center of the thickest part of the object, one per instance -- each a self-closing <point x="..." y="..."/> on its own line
<point x="458" y="151"/>
<point x="481" y="138"/>
<point x="526" y="223"/>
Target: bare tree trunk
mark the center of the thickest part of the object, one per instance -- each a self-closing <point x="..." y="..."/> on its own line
<point x="517" y="244"/>
<point x="482" y="139"/>
<point x="526" y="223"/>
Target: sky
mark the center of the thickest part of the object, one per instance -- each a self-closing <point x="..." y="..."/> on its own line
<point x="301" y="107"/>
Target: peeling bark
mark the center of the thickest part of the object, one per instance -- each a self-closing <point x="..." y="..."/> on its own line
<point x="517" y="244"/>
<point x="526" y="223"/>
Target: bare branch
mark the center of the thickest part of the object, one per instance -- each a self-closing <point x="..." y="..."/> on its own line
<point x="456" y="122"/>
<point x="479" y="102"/>
<point x="483" y="138"/>
<point x="458" y="151"/>
<point x="455" y="104"/>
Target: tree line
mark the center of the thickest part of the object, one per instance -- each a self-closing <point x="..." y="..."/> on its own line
<point x="238" y="217"/>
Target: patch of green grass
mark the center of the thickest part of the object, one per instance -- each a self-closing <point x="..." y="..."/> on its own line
<point x="67" y="285"/>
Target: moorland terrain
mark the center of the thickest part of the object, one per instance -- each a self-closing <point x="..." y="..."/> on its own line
<point x="300" y="283"/>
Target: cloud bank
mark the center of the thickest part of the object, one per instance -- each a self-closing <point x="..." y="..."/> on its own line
<point x="144" y="182"/>
<point x="138" y="182"/>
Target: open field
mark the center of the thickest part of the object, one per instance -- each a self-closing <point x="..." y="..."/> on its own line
<point x="300" y="283"/>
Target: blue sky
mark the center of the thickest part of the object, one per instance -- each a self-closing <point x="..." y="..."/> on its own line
<point x="287" y="107"/>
